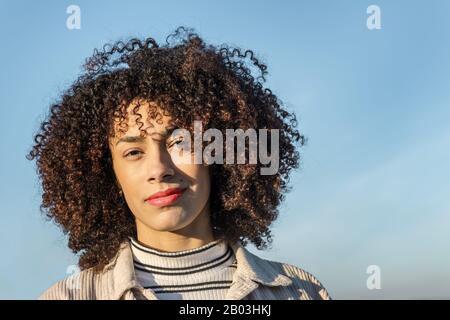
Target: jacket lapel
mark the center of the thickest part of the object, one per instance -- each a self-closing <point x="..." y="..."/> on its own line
<point x="251" y="272"/>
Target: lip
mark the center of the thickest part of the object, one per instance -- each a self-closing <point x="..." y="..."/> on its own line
<point x="165" y="197"/>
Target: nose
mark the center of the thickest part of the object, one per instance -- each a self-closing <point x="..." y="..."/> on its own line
<point x="160" y="167"/>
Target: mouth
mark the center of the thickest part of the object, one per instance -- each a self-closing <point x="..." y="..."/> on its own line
<point x="166" y="197"/>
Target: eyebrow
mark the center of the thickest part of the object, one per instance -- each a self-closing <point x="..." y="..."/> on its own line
<point x="136" y="139"/>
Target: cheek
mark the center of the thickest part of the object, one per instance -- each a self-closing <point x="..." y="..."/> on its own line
<point x="126" y="176"/>
<point x="199" y="177"/>
<point x="203" y="182"/>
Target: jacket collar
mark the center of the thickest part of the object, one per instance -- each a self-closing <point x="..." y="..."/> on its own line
<point x="251" y="272"/>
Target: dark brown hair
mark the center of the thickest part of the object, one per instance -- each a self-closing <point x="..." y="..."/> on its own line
<point x="191" y="80"/>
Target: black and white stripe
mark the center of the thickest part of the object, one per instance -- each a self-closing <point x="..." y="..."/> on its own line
<point x="177" y="271"/>
<point x="202" y="286"/>
<point x="201" y="273"/>
<point x="140" y="247"/>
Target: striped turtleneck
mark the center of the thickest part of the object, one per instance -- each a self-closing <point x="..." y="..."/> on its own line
<point x="203" y="273"/>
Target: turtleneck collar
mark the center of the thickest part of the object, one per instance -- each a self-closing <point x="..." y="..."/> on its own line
<point x="213" y="255"/>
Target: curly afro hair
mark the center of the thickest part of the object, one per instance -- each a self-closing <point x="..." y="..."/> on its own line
<point x="192" y="81"/>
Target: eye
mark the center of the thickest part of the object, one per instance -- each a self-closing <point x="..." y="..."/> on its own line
<point x="132" y="153"/>
<point x="176" y="141"/>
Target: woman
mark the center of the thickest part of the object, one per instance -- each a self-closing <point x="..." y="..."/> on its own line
<point x="149" y="222"/>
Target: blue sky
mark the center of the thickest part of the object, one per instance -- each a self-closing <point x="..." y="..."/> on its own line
<point x="375" y="105"/>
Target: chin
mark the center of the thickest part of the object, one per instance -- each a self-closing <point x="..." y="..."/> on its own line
<point x="170" y="220"/>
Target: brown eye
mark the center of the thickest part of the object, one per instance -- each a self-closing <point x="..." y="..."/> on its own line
<point x="132" y="153"/>
<point x="176" y="141"/>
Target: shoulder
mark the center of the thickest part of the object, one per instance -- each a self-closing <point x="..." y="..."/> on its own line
<point x="302" y="281"/>
<point x="307" y="281"/>
<point x="281" y="281"/>
<point x="83" y="285"/>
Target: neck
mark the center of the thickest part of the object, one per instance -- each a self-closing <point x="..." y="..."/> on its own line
<point x="196" y="234"/>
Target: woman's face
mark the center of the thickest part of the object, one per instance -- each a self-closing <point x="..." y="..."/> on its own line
<point x="145" y="167"/>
